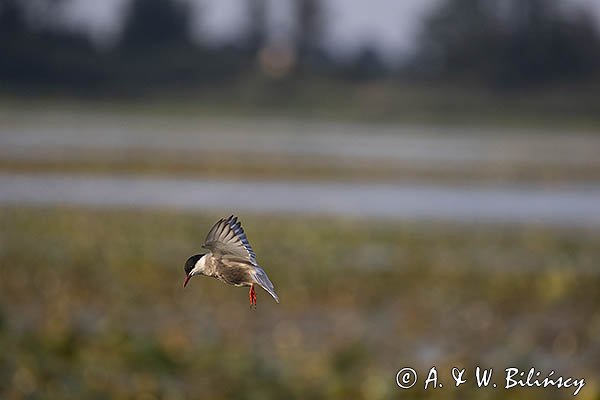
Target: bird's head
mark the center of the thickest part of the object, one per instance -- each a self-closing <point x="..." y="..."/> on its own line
<point x="191" y="267"/>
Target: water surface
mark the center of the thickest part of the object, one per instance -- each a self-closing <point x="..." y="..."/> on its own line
<point x="575" y="205"/>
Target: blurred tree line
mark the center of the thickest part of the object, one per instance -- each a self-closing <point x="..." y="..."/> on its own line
<point x="155" y="49"/>
<point x="513" y="43"/>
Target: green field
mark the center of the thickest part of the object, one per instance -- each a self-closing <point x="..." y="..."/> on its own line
<point x="91" y="306"/>
<point x="556" y="107"/>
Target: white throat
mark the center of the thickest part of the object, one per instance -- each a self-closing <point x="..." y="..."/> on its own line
<point x="200" y="266"/>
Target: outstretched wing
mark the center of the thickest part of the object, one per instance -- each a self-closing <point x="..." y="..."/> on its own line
<point x="227" y="237"/>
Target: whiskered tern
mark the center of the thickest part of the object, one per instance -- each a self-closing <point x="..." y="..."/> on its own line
<point x="230" y="259"/>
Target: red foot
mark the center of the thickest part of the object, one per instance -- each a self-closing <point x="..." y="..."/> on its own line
<point x="252" y="296"/>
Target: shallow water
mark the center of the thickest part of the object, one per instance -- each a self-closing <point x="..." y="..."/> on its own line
<point x="575" y="205"/>
<point x="26" y="136"/>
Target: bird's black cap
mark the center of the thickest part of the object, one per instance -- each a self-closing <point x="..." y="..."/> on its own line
<point x="189" y="264"/>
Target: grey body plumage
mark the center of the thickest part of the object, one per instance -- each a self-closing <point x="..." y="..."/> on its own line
<point x="230" y="259"/>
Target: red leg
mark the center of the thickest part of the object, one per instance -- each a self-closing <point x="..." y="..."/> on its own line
<point x="252" y="296"/>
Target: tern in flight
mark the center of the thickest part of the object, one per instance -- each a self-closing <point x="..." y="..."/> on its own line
<point x="230" y="259"/>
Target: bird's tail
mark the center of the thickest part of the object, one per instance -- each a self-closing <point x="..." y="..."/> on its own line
<point x="263" y="280"/>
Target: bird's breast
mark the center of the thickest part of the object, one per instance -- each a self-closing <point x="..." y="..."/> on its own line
<point x="233" y="276"/>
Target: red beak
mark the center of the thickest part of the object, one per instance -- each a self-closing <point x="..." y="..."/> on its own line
<point x="187" y="279"/>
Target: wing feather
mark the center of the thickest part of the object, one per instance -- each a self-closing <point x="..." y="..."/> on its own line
<point x="263" y="280"/>
<point x="227" y="237"/>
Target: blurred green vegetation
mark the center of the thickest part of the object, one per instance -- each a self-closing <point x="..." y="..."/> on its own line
<point x="517" y="45"/>
<point x="568" y="106"/>
<point x="522" y="63"/>
<point x="91" y="306"/>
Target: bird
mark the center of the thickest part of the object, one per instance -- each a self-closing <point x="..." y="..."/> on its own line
<point x="230" y="259"/>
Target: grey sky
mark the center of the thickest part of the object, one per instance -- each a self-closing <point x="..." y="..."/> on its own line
<point x="389" y="25"/>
